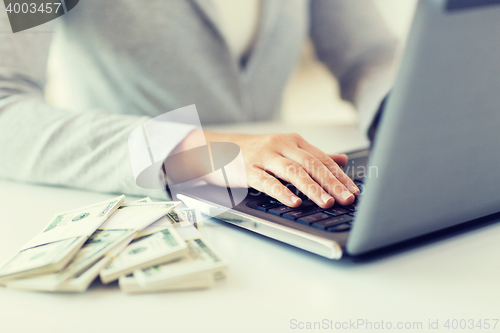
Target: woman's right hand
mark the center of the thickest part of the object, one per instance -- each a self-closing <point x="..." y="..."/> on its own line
<point x="288" y="157"/>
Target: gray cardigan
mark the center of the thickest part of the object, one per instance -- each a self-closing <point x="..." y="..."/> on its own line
<point x="127" y="61"/>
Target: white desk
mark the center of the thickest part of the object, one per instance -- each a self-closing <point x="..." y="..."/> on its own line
<point x="268" y="283"/>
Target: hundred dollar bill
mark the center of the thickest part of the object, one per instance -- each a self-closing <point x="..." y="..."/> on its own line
<point x="81" y="282"/>
<point x="143" y="200"/>
<point x="100" y="243"/>
<point x="201" y="259"/>
<point x="161" y="224"/>
<point x="130" y="285"/>
<point x="193" y="216"/>
<point x="179" y="218"/>
<point x="138" y="216"/>
<point x="158" y="248"/>
<point x="53" y="248"/>
<point x="41" y="259"/>
<point x="165" y="222"/>
<point x="188" y="231"/>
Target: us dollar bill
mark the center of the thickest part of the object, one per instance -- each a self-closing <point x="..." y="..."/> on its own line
<point x="201" y="258"/>
<point x="138" y="216"/>
<point x="165" y="222"/>
<point x="96" y="247"/>
<point x="100" y="211"/>
<point x="100" y="243"/>
<point x="179" y="218"/>
<point x="41" y="259"/>
<point x="157" y="248"/>
<point x="193" y="216"/>
<point x="129" y="284"/>
<point x="143" y="200"/>
<point x="82" y="281"/>
<point x="53" y="248"/>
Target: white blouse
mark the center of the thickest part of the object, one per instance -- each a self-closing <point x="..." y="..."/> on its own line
<point x="239" y="21"/>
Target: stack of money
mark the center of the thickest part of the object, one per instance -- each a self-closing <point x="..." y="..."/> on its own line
<point x="196" y="270"/>
<point x="147" y="246"/>
<point x="52" y="249"/>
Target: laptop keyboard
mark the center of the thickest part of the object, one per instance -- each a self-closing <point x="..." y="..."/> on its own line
<point x="335" y="219"/>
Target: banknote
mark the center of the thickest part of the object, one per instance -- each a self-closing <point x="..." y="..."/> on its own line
<point x="138" y="216"/>
<point x="130" y="285"/>
<point x="165" y="222"/>
<point x="143" y="200"/>
<point x="41" y="259"/>
<point x="174" y="217"/>
<point x="193" y="216"/>
<point x="187" y="232"/>
<point x="77" y="284"/>
<point x="158" y="248"/>
<point x="179" y="218"/>
<point x="53" y="248"/>
<point x="201" y="258"/>
<point x="100" y="211"/>
<point x="81" y="282"/>
<point x="100" y="243"/>
<point x="161" y="224"/>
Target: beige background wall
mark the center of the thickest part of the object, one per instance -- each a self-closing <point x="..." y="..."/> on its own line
<point x="314" y="89"/>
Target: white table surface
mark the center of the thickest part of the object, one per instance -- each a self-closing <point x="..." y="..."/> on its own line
<point x="268" y="284"/>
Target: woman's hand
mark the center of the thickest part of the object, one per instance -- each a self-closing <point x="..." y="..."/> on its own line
<point x="267" y="157"/>
<point x="293" y="159"/>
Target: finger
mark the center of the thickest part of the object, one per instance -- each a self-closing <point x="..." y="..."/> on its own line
<point x="340" y="159"/>
<point x="264" y="182"/>
<point x="332" y="166"/>
<point x="296" y="174"/>
<point x="322" y="176"/>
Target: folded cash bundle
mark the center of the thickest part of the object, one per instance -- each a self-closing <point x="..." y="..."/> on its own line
<point x="147" y="246"/>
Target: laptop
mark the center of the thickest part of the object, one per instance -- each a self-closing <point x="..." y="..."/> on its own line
<point x="435" y="160"/>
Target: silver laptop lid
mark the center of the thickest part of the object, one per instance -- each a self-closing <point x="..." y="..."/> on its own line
<point x="435" y="161"/>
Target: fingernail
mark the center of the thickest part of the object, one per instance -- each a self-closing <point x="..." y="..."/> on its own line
<point x="346" y="195"/>
<point x="354" y="189"/>
<point x="294" y="199"/>
<point x="325" y="197"/>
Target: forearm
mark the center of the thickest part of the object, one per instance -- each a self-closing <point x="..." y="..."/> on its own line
<point x="46" y="145"/>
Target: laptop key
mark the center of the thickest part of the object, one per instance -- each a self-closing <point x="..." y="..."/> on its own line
<point x="282" y="210"/>
<point x="324" y="225"/>
<point x="302" y="212"/>
<point x="266" y="205"/>
<point x="337" y="211"/>
<point x="350" y="208"/>
<point x="307" y="203"/>
<point x="263" y="205"/>
<point x="309" y="219"/>
<point x="340" y="228"/>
